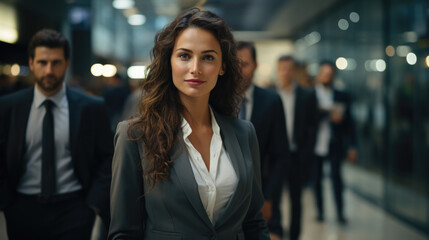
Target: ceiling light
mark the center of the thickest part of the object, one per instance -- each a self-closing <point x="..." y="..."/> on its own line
<point x="136" y="19"/>
<point x="123" y="4"/>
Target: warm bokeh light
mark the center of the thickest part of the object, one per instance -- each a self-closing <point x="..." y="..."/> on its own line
<point x="8" y="24"/>
<point x="109" y="70"/>
<point x="97" y="69"/>
<point x="341" y="63"/>
<point x="390" y="51"/>
<point x="6" y="69"/>
<point x="427" y="61"/>
<point x="15" y="69"/>
<point x="411" y="58"/>
<point x="137" y="72"/>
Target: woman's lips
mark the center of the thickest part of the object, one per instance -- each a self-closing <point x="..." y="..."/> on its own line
<point x="194" y="82"/>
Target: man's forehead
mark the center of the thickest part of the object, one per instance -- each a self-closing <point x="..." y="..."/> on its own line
<point x="43" y="51"/>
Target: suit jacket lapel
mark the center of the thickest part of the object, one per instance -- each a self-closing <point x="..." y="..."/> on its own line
<point x="256" y="104"/>
<point x="185" y="175"/>
<point x="75" y="112"/>
<point x="232" y="146"/>
<point x="19" y="123"/>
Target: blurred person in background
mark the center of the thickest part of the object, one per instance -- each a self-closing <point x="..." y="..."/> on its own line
<point x="186" y="167"/>
<point x="115" y="94"/>
<point x="336" y="137"/>
<point x="265" y="110"/>
<point x="55" y="151"/>
<point x="300" y="108"/>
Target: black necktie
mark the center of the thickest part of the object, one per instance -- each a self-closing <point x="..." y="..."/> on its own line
<point x="48" y="152"/>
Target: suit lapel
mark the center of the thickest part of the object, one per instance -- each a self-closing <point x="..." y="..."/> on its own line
<point x="19" y="123"/>
<point x="256" y="105"/>
<point x="232" y="146"/>
<point x="75" y="112"/>
<point x="186" y="177"/>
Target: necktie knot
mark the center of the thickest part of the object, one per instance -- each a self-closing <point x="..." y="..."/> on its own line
<point x="48" y="104"/>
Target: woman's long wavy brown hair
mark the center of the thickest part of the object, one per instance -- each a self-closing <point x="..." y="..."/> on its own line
<point x="160" y="107"/>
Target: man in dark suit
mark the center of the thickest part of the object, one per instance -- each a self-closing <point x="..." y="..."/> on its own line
<point x="300" y="107"/>
<point x="55" y="151"/>
<point x="265" y="110"/>
<point x="335" y="138"/>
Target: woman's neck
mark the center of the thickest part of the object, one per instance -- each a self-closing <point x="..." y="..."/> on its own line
<point x="196" y="112"/>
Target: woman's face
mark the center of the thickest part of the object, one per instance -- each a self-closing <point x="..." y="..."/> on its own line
<point x="196" y="63"/>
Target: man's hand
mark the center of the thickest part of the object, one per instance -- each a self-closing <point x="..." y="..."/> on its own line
<point x="267" y="210"/>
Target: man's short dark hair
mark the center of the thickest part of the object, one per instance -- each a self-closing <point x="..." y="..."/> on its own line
<point x="248" y="45"/>
<point x="287" y="58"/>
<point x="328" y="63"/>
<point x="51" y="39"/>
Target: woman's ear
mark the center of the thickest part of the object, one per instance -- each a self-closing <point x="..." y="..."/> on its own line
<point x="222" y="71"/>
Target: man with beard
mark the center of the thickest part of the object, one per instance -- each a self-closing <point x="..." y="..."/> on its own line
<point x="55" y="151"/>
<point x="265" y="110"/>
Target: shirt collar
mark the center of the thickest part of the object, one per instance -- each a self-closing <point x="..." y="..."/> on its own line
<point x="187" y="130"/>
<point x="249" y="93"/>
<point x="57" y="99"/>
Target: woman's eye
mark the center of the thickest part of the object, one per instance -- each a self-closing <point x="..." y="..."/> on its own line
<point x="184" y="56"/>
<point x="208" y="57"/>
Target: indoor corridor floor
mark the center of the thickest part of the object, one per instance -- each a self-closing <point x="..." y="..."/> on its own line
<point x="365" y="220"/>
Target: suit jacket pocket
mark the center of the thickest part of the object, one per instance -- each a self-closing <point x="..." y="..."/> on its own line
<point x="162" y="235"/>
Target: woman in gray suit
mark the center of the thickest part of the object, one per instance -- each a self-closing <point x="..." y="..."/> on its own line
<point x="186" y="167"/>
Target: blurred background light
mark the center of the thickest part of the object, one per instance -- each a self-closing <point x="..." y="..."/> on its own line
<point x="411" y="58"/>
<point x="380" y="65"/>
<point x="97" y="69"/>
<point x="390" y="51"/>
<point x="410" y="37"/>
<point x="8" y="24"/>
<point x="341" y="63"/>
<point x="123" y="4"/>
<point x="343" y="24"/>
<point x="15" y="69"/>
<point x="137" y="72"/>
<point x="354" y="17"/>
<point x="109" y="70"/>
<point x="403" y="50"/>
<point x="136" y="19"/>
<point x="427" y="61"/>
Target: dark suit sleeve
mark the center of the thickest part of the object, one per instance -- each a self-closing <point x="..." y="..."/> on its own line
<point x="254" y="226"/>
<point x="98" y="195"/>
<point x="311" y="125"/>
<point x="3" y="136"/>
<point x="278" y="148"/>
<point x="126" y="202"/>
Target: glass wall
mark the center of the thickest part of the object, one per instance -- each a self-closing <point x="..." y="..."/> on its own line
<point x="381" y="48"/>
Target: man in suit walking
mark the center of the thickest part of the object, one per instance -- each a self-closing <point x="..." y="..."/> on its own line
<point x="55" y="151"/>
<point x="300" y="107"/>
<point x="335" y="138"/>
<point x="265" y="110"/>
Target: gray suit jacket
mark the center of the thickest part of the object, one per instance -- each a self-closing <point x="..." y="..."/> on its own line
<point x="173" y="209"/>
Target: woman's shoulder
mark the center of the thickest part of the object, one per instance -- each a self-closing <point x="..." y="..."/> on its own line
<point x="130" y="127"/>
